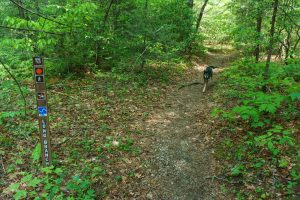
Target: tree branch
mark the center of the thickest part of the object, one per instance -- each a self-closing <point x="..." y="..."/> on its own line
<point x="18" y="84"/>
<point x="200" y="16"/>
<point x="31" y="30"/>
<point x="107" y="11"/>
<point x="290" y="18"/>
<point x="38" y="14"/>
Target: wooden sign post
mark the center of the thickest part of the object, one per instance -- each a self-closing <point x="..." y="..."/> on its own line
<point x="41" y="95"/>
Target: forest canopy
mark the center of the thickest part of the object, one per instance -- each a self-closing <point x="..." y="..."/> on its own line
<point x="128" y="36"/>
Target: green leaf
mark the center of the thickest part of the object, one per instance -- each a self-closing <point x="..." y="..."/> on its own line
<point x="48" y="186"/>
<point x="37" y="152"/>
<point x="118" y="178"/>
<point x="295" y="96"/>
<point x="44" y="194"/>
<point x="270" y="145"/>
<point x="295" y="175"/>
<point x="268" y="108"/>
<point x="33" y="193"/>
<point x="237" y="170"/>
<point x="58" y="171"/>
<point x="283" y="163"/>
<point x="27" y="178"/>
<point x="76" y="178"/>
<point x="54" y="189"/>
<point x="91" y="192"/>
<point x="47" y="170"/>
<point x="71" y="186"/>
<point x="14" y="186"/>
<point x="34" y="182"/>
<point x="247" y="112"/>
<point x="19" y="161"/>
<point x="20" y="194"/>
<point x="258" y="164"/>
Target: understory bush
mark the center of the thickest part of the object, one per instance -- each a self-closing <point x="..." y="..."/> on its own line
<point x="261" y="130"/>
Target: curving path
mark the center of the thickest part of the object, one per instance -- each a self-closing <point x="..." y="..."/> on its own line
<point x="181" y="140"/>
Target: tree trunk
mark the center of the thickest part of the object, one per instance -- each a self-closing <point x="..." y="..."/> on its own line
<point x="200" y="16"/>
<point x="287" y="46"/>
<point x="296" y="43"/>
<point x="98" y="43"/>
<point x="144" y="49"/>
<point x="258" y="32"/>
<point x="270" y="48"/>
<point x="37" y="6"/>
<point x="190" y="3"/>
<point x="21" y="11"/>
<point x="107" y="12"/>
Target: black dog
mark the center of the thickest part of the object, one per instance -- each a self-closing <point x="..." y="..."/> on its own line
<point x="207" y="74"/>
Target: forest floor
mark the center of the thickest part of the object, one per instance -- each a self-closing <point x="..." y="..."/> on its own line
<point x="180" y="160"/>
<point x="128" y="141"/>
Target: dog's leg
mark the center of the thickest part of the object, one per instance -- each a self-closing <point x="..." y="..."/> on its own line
<point x="204" y="88"/>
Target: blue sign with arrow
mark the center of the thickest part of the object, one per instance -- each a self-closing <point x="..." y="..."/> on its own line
<point x="42" y="111"/>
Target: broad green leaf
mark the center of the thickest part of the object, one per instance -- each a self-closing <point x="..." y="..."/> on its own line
<point x="237" y="170"/>
<point x="34" y="182"/>
<point x="37" y="152"/>
<point x="26" y="179"/>
<point x="58" y="171"/>
<point x="20" y="194"/>
<point x="14" y="186"/>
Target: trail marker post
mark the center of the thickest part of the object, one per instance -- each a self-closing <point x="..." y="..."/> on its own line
<point x="41" y="96"/>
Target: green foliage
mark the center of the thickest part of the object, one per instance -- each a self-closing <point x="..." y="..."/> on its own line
<point x="247" y="38"/>
<point x="37" y="152"/>
<point x="127" y="45"/>
<point x="261" y="122"/>
<point x="49" y="183"/>
<point x="295" y="96"/>
<point x="78" y="154"/>
<point x="9" y="95"/>
<point x="129" y="37"/>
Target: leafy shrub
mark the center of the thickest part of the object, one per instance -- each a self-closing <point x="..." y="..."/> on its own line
<point x="51" y="183"/>
<point x="266" y="141"/>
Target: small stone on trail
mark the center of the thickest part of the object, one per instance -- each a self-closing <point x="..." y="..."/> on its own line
<point x="115" y="143"/>
<point x="150" y="195"/>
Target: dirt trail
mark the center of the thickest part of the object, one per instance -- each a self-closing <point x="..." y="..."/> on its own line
<point x="182" y="159"/>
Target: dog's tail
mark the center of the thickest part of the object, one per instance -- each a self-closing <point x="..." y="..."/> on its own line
<point x="214" y="67"/>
